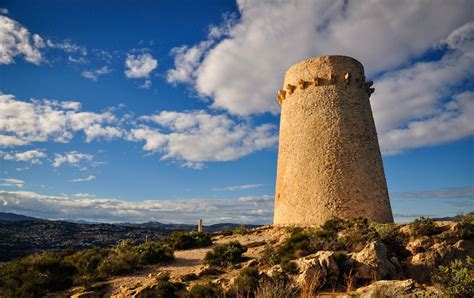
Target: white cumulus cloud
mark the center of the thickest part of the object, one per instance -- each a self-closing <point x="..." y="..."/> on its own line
<point x="140" y="65"/>
<point x="32" y="156"/>
<point x="16" y="40"/>
<point x="416" y="106"/>
<point x="243" y="71"/>
<point x="197" y="137"/>
<point x="24" y="122"/>
<point x="73" y="158"/>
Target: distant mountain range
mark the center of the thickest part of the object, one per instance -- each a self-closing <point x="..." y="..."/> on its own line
<point x="22" y="235"/>
<point x="6" y="216"/>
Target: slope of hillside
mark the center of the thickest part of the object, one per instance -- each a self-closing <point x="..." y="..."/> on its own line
<point x="399" y="261"/>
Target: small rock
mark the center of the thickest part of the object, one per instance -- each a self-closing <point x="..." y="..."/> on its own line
<point x="255" y="244"/>
<point x="272" y="271"/>
<point x="188" y="277"/>
<point x="208" y="270"/>
<point x="251" y="263"/>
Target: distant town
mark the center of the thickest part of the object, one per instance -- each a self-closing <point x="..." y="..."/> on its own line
<point x="22" y="235"/>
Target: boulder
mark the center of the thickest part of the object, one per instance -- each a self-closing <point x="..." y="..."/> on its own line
<point x="420" y="245"/>
<point x="310" y="272"/>
<point x="396" y="288"/>
<point x="422" y="264"/>
<point x="371" y="263"/>
<point x="464" y="248"/>
<point x="326" y="260"/>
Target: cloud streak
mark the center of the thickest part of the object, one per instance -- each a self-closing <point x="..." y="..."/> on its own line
<point x="12" y="182"/>
<point x="251" y="209"/>
<point x="88" y="178"/>
<point x="83" y="206"/>
<point x="95" y="74"/>
<point x="238" y="187"/>
<point x="451" y="193"/>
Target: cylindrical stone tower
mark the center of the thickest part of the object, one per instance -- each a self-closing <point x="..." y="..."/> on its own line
<point x="329" y="161"/>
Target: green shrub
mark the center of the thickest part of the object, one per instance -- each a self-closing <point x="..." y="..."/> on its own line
<point x="466" y="218"/>
<point x="289" y="267"/>
<point x="226" y="232"/>
<point x="186" y="240"/>
<point x="240" y="230"/>
<point x="292" y="229"/>
<point x="296" y="246"/>
<point x="226" y="254"/>
<point x="246" y="282"/>
<point x="209" y="290"/>
<point x="456" y="279"/>
<point x="118" y="262"/>
<point x="153" y="252"/>
<point x="424" y="226"/>
<point x="86" y="262"/>
<point x="334" y="225"/>
<point x="270" y="256"/>
<point x="36" y="275"/>
<point x="394" y="240"/>
<point x="164" y="288"/>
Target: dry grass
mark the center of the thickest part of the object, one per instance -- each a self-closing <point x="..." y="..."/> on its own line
<point x="275" y="289"/>
<point x="311" y="285"/>
<point x="350" y="279"/>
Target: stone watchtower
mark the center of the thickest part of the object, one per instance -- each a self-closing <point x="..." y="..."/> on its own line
<point x="329" y="162"/>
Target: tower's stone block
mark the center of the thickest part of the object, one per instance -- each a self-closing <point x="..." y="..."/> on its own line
<point x="329" y="162"/>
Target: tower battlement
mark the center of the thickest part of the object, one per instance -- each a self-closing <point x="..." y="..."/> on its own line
<point x="332" y="79"/>
<point x="329" y="161"/>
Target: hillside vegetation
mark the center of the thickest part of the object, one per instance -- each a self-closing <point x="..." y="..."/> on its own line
<point x="342" y="257"/>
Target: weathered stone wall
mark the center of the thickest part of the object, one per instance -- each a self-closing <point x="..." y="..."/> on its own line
<point x="329" y="161"/>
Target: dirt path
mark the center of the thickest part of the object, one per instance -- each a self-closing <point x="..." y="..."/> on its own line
<point x="186" y="261"/>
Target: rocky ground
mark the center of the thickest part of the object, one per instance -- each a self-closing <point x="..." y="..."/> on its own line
<point x="374" y="272"/>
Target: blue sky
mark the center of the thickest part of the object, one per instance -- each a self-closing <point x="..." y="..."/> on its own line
<point x="167" y="111"/>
